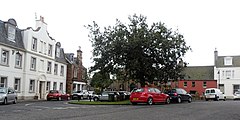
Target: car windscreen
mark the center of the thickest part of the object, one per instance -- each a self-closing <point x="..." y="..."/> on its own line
<point x="138" y="90"/>
<point x="3" y="90"/>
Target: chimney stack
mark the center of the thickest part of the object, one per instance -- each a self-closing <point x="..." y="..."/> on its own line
<point x="215" y="57"/>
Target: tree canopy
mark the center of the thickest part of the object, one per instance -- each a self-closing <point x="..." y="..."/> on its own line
<point x="138" y="51"/>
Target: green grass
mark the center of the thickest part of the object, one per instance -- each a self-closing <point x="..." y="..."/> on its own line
<point x="125" y="102"/>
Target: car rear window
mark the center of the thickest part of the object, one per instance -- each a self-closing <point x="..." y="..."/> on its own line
<point x="53" y="91"/>
<point x="210" y="91"/>
<point x="138" y="90"/>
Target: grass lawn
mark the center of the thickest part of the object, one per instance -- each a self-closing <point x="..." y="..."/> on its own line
<point x="125" y="102"/>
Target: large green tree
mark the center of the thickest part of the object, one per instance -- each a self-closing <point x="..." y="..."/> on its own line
<point x="138" y="51"/>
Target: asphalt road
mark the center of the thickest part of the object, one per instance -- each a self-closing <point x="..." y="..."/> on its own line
<point x="60" y="110"/>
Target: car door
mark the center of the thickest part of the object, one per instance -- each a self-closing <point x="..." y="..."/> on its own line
<point x="154" y="95"/>
<point x="160" y="96"/>
<point x="184" y="94"/>
<point x="10" y="95"/>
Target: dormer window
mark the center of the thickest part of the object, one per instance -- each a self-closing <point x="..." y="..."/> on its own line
<point x="11" y="29"/>
<point x="11" y="33"/>
<point x="58" y="52"/>
<point x="228" y="61"/>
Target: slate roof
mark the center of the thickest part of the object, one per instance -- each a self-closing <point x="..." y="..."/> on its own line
<point x="235" y="61"/>
<point x="62" y="57"/>
<point x="4" y="38"/>
<point x="199" y="73"/>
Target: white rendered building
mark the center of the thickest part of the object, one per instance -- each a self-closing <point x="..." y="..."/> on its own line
<point x="227" y="73"/>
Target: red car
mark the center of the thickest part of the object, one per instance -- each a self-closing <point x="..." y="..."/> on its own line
<point x="58" y="95"/>
<point x="148" y="95"/>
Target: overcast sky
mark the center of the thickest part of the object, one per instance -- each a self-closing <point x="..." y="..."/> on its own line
<point x="205" y="24"/>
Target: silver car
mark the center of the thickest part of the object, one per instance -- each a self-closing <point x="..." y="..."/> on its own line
<point x="8" y="95"/>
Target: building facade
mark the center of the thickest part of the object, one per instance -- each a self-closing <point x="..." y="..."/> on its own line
<point x="76" y="72"/>
<point x="226" y="72"/>
<point x="197" y="79"/>
<point x="45" y="65"/>
<point x="12" y="56"/>
<point x="32" y="62"/>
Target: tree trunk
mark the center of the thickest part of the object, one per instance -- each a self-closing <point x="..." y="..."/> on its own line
<point x="142" y="82"/>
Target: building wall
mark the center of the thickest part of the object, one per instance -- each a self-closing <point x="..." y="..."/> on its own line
<point x="227" y="81"/>
<point x="11" y="71"/>
<point x="41" y="76"/>
<point x="199" y="88"/>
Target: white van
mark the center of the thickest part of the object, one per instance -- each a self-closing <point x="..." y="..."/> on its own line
<point x="214" y="94"/>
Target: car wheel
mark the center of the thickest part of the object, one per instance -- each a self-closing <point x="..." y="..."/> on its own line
<point x="224" y="99"/>
<point x="168" y="101"/>
<point x="59" y="98"/>
<point x="206" y="99"/>
<point x="48" y="99"/>
<point x="189" y="100"/>
<point x="150" y="101"/>
<point x="15" y="101"/>
<point x="5" y="101"/>
<point x="95" y="99"/>
<point x="179" y="100"/>
<point x="68" y="98"/>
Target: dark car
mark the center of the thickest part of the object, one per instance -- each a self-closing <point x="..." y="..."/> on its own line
<point x="58" y="95"/>
<point x="148" y="95"/>
<point x="178" y="95"/>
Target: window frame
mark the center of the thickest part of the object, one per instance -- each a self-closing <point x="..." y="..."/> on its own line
<point x="11" y="33"/>
<point x="228" y="61"/>
<point x="50" y="49"/>
<point x="5" y="58"/>
<point x="34" y="44"/>
<point x="55" y="69"/>
<point x="193" y="84"/>
<point x="49" y="67"/>
<point x="204" y="84"/>
<point x="33" y="63"/>
<point x="184" y="84"/>
<point x="54" y="85"/>
<point x="3" y="84"/>
<point x="48" y="86"/>
<point x="18" y="84"/>
<point x="18" y="59"/>
<point x="32" y="85"/>
<point x="62" y="71"/>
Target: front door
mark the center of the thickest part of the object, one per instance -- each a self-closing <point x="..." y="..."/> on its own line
<point x="41" y="89"/>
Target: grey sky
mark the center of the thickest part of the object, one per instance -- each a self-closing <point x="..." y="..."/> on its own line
<point x="205" y="24"/>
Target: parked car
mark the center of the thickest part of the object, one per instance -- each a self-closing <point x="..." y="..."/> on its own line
<point x="84" y="94"/>
<point x="104" y="96"/>
<point x="236" y="95"/>
<point x="58" y="95"/>
<point x="214" y="94"/>
<point x="124" y="95"/>
<point x="8" y="95"/>
<point x="148" y="95"/>
<point x="91" y="93"/>
<point x="178" y="95"/>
